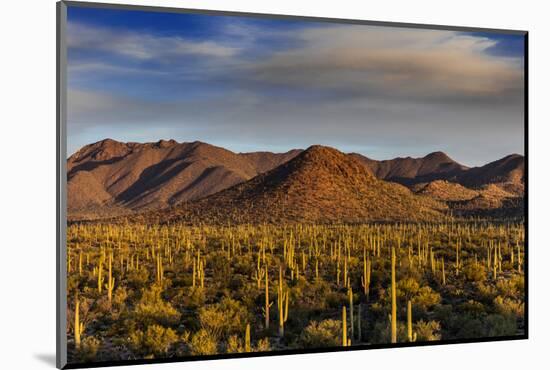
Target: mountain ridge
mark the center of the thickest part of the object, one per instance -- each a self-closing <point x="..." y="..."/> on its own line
<point x="138" y="176"/>
<point x="110" y="178"/>
<point x="320" y="185"/>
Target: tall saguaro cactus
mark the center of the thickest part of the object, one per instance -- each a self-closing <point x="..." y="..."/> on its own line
<point x="359" y="330"/>
<point x="457" y="262"/>
<point x="351" y="321"/>
<point x="443" y="271"/>
<point x="365" y="279"/>
<point x="247" y="338"/>
<point x="410" y="335"/>
<point x="78" y="325"/>
<point x="393" y="299"/>
<point x="282" y="302"/>
<point x="267" y="303"/>
<point x="100" y="275"/>
<point x="344" y="328"/>
<point x="111" y="280"/>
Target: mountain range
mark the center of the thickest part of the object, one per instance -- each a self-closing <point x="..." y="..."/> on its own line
<point x="199" y="182"/>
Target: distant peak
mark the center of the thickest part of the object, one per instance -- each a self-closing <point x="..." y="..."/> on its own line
<point x="321" y="149"/>
<point x="439" y="155"/>
<point x="165" y="143"/>
<point x="513" y="156"/>
<point x="107" y="141"/>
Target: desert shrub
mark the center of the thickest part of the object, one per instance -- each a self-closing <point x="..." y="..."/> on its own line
<point x="508" y="306"/>
<point x="507" y="288"/>
<point x="263" y="345"/>
<point x="190" y="298"/>
<point x="221" y="269"/>
<point x="500" y="325"/>
<point x="426" y="298"/>
<point x="236" y="282"/>
<point x="224" y="318"/>
<point x="156" y="340"/>
<point x="381" y="332"/>
<point x="472" y="307"/>
<point x="88" y="349"/>
<point x="475" y="272"/>
<point x="327" y="333"/>
<point x="244" y="265"/>
<point x="336" y="299"/>
<point x="137" y="279"/>
<point x="427" y="331"/>
<point x="407" y="288"/>
<point x="310" y="295"/>
<point x="234" y="344"/>
<point x="486" y="292"/>
<point x="519" y="282"/>
<point x="152" y="309"/>
<point x="120" y="296"/>
<point x="467" y="326"/>
<point x="203" y="343"/>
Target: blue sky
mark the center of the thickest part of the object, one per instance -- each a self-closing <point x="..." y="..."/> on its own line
<point x="252" y="84"/>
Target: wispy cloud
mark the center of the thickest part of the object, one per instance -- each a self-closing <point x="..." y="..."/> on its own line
<point x="390" y="91"/>
<point x="141" y="46"/>
<point x="381" y="62"/>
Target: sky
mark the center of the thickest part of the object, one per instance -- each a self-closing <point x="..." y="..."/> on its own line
<point x="251" y="84"/>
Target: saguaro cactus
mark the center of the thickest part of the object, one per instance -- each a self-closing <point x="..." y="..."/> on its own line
<point x="495" y="264"/>
<point x="443" y="271"/>
<point x="344" y="328"/>
<point x="351" y="322"/>
<point x="393" y="299"/>
<point x="194" y="272"/>
<point x="111" y="281"/>
<point x="432" y="260"/>
<point x="410" y="335"/>
<point x="365" y="279"/>
<point x="100" y="275"/>
<point x="282" y="302"/>
<point x="457" y="263"/>
<point x="359" y="312"/>
<point x="259" y="274"/>
<point x="267" y="303"/>
<point x="160" y="270"/>
<point x="78" y="325"/>
<point x="80" y="264"/>
<point x="247" y="338"/>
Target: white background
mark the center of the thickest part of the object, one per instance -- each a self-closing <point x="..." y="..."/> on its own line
<point x="27" y="182"/>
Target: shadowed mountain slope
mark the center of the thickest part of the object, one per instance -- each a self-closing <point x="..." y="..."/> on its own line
<point x="130" y="176"/>
<point x="436" y="165"/>
<point x="110" y="178"/>
<point x="509" y="172"/>
<point x="319" y="185"/>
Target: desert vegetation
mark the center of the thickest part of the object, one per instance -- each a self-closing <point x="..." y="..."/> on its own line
<point x="138" y="290"/>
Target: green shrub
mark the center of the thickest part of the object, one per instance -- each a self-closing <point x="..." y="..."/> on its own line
<point x="224" y="318"/>
<point x="407" y="288"/>
<point x="152" y="309"/>
<point x="88" y="349"/>
<point x="475" y="272"/>
<point x="426" y="298"/>
<point x="427" y="331"/>
<point x="510" y="307"/>
<point x="500" y="325"/>
<point x="156" y="340"/>
<point x="203" y="343"/>
<point x="234" y="344"/>
<point x="263" y="345"/>
<point x="327" y="333"/>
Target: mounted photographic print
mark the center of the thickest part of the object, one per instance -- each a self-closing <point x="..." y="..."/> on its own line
<point x="235" y="184"/>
